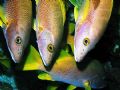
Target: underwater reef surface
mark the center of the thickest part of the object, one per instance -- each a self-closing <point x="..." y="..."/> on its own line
<point x="107" y="51"/>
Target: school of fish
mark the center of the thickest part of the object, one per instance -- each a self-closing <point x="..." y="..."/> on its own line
<point x="91" y="18"/>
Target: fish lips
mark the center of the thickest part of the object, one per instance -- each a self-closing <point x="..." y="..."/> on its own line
<point x="16" y="54"/>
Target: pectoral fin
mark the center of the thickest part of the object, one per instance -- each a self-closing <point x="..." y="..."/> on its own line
<point x="45" y="76"/>
<point x="71" y="87"/>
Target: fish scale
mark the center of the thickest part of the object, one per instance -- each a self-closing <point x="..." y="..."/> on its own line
<point x="11" y="10"/>
<point x="26" y="17"/>
<point x="18" y="11"/>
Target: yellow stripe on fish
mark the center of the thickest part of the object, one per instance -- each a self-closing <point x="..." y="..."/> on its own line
<point x="83" y="12"/>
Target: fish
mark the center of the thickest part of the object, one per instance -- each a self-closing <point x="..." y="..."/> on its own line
<point x="92" y="75"/>
<point x="91" y="20"/>
<point x="50" y="19"/>
<point x="18" y="24"/>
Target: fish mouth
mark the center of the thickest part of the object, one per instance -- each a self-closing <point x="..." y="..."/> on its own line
<point x="15" y="58"/>
<point x="46" y="59"/>
<point x="46" y="62"/>
<point x="79" y="59"/>
<point x="79" y="56"/>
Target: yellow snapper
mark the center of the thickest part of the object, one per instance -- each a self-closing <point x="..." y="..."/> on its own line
<point x="18" y="14"/>
<point x="50" y="20"/>
<point x="91" y="20"/>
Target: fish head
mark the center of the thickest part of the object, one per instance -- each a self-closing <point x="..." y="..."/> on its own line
<point x="46" y="46"/>
<point x="84" y="41"/>
<point x="15" y="39"/>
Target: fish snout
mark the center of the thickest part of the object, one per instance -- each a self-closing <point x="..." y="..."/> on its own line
<point x="17" y="59"/>
<point x="46" y="61"/>
<point x="16" y="55"/>
<point x="46" y="57"/>
<point x="79" y="56"/>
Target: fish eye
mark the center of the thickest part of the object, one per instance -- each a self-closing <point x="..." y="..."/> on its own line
<point x="18" y="40"/>
<point x="50" y="48"/>
<point x="86" y="41"/>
